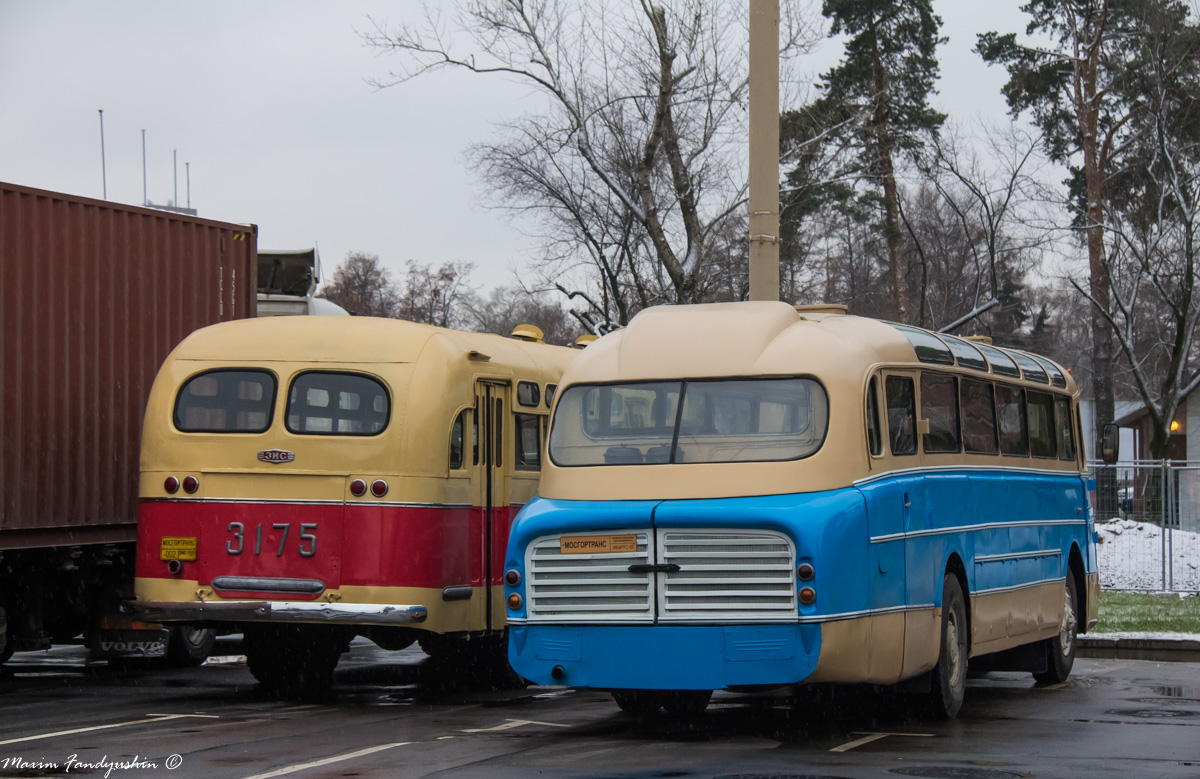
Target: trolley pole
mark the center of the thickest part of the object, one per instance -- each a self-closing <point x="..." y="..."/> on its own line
<point x="103" y="167"/>
<point x="764" y="150"/>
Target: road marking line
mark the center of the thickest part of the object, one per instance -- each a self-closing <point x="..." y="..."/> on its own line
<point x="153" y="718"/>
<point x="867" y="738"/>
<point x="515" y="723"/>
<point x="291" y="769"/>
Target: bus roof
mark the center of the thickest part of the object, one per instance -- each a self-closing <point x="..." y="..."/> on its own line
<point x="774" y="338"/>
<point x="342" y="340"/>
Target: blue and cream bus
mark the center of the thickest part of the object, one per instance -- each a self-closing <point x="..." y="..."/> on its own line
<point x="744" y="495"/>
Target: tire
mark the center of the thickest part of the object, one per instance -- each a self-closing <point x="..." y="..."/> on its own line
<point x="1060" y="650"/>
<point x="293" y="661"/>
<point x="639" y="703"/>
<point x="480" y="662"/>
<point x="686" y="703"/>
<point x="948" y="679"/>
<point x="7" y="645"/>
<point x="189" y="646"/>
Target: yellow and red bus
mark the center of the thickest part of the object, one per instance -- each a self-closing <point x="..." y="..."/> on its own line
<point x="306" y="480"/>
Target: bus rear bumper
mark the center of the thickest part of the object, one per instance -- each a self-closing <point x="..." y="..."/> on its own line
<point x="661" y="657"/>
<point x="278" y="611"/>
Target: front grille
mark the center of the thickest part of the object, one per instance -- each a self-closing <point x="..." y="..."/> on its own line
<point x="588" y="587"/>
<point x="726" y="576"/>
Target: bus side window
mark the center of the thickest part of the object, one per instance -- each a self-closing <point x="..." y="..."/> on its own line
<point x="1010" y="413"/>
<point x="1041" y="424"/>
<point x="475" y="435"/>
<point x="1066" y="437"/>
<point x="528" y="443"/>
<point x="874" y="439"/>
<point x="978" y="417"/>
<point x="498" y="460"/>
<point x="902" y="414"/>
<point x="456" y="441"/>
<point x="939" y="405"/>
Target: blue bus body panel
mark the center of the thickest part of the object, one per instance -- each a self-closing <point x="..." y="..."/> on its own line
<point x="656" y="657"/>
<point x="880" y="547"/>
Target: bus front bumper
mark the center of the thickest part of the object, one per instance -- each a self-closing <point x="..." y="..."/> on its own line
<point x="310" y="612"/>
<point x="660" y="657"/>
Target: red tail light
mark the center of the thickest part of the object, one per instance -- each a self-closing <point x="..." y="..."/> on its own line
<point x="171" y="485"/>
<point x="190" y="484"/>
<point x="358" y="488"/>
<point x="379" y="488"/>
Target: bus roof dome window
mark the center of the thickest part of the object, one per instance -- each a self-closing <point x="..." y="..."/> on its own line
<point x="1002" y="364"/>
<point x="928" y="346"/>
<point x="1031" y="368"/>
<point x="531" y="333"/>
<point x="1056" y="375"/>
<point x="968" y="356"/>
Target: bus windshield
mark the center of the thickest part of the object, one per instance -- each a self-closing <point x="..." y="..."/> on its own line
<point x="709" y="421"/>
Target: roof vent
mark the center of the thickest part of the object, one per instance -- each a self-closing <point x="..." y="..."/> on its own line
<point x="823" y="308"/>
<point x="584" y="340"/>
<point x="530" y="333"/>
<point x="986" y="340"/>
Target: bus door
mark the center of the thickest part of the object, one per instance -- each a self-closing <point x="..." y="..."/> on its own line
<point x="492" y="414"/>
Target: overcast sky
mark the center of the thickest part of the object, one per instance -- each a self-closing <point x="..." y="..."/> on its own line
<point x="268" y="102"/>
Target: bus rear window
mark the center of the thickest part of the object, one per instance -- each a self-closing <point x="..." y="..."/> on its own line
<point x="326" y="403"/>
<point x="712" y="421"/>
<point x="226" y="401"/>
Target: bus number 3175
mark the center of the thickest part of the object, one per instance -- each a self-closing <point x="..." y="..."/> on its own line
<point x="307" y="545"/>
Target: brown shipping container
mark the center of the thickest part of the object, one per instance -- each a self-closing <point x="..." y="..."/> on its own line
<point x="95" y="295"/>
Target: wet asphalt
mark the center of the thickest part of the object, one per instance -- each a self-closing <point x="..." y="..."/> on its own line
<point x="397" y="714"/>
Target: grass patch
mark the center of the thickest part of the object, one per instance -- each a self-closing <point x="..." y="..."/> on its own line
<point x="1122" y="612"/>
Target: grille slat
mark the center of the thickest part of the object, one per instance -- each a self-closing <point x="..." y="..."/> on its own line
<point x="741" y="575"/>
<point x="726" y="576"/>
<point x="588" y="587"/>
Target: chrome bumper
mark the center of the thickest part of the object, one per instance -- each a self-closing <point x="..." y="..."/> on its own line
<point x="277" y="611"/>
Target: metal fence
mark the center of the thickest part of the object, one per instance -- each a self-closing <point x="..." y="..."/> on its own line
<point x="1148" y="521"/>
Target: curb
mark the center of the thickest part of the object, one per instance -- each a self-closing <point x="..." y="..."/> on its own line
<point x="1162" y="650"/>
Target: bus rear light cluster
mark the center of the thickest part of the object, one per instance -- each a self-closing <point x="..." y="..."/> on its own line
<point x="171" y="485"/>
<point x="358" y="488"/>
<point x="190" y="484"/>
<point x="379" y="488"/>
<point x="808" y="596"/>
<point x="805" y="571"/>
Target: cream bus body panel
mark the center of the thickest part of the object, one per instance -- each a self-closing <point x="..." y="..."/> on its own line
<point x="438" y="513"/>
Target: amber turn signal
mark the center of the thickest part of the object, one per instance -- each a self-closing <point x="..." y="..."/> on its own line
<point x="807" y="595"/>
<point x="514" y="601"/>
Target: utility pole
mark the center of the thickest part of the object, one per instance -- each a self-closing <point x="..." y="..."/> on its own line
<point x="145" y="199"/>
<point x="103" y="168"/>
<point x="175" y="175"/>
<point x="764" y="150"/>
<point x="187" y="171"/>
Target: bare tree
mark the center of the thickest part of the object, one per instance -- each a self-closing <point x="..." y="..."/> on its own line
<point x="435" y="297"/>
<point x="635" y="163"/>
<point x="363" y="286"/>
<point x="506" y="307"/>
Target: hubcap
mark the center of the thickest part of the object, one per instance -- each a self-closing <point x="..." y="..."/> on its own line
<point x="1066" y="630"/>
<point x="953" y="649"/>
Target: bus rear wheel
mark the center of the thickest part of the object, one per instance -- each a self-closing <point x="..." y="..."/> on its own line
<point x="948" y="680"/>
<point x="294" y="661"/>
<point x="189" y="646"/>
<point x="1060" y="650"/>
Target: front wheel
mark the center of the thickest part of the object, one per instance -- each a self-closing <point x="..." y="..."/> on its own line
<point x="293" y="661"/>
<point x="1060" y="650"/>
<point x="189" y="646"/>
<point x="948" y="683"/>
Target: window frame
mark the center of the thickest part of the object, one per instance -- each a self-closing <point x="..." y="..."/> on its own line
<point x="957" y="427"/>
<point x="387" y="393"/>
<point x="908" y="377"/>
<point x="519" y="463"/>
<point x="274" y="397"/>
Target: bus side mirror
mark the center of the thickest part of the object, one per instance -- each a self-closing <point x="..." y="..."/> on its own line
<point x="1110" y="444"/>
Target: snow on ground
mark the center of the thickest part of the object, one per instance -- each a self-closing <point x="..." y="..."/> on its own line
<point x="1131" y="556"/>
